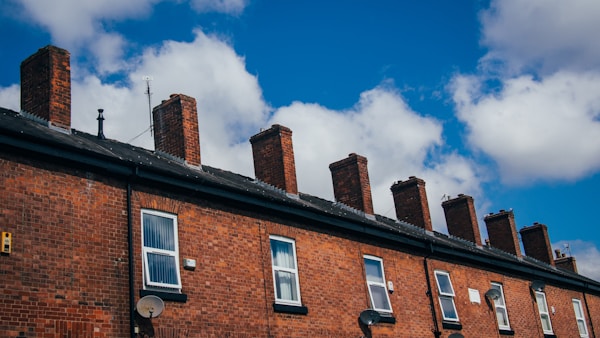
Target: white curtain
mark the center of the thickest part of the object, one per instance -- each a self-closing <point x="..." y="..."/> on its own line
<point x="283" y="262"/>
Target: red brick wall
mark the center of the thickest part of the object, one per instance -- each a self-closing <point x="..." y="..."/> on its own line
<point x="68" y="270"/>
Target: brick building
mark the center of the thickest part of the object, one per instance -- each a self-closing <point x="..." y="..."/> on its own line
<point x="92" y="225"/>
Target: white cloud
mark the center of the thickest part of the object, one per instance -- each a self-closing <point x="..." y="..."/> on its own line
<point x="230" y="104"/>
<point x="233" y="7"/>
<point x="10" y="97"/>
<point x="586" y="255"/>
<point x="535" y="129"/>
<point x="542" y="35"/>
<point x="397" y="142"/>
<point x="83" y="26"/>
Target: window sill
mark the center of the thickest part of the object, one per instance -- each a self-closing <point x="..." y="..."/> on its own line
<point x="174" y="297"/>
<point x="387" y="318"/>
<point x="506" y="332"/>
<point x="549" y="335"/>
<point x="292" y="309"/>
<point x="451" y="325"/>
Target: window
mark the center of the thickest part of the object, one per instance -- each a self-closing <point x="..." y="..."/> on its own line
<point x="583" y="332"/>
<point x="500" y="305"/>
<point x="160" y="251"/>
<point x="285" y="271"/>
<point x="540" y="299"/>
<point x="446" y="296"/>
<point x="380" y="300"/>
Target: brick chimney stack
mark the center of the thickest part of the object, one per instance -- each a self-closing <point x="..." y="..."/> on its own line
<point x="536" y="242"/>
<point x="564" y="262"/>
<point x="46" y="86"/>
<point x="502" y="232"/>
<point x="351" y="184"/>
<point x="176" y="128"/>
<point x="461" y="218"/>
<point x="273" y="154"/>
<point x="410" y="200"/>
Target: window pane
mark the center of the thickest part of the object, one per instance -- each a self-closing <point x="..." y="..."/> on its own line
<point x="448" y="308"/>
<point x="541" y="302"/>
<point x="283" y="254"/>
<point x="582" y="327"/>
<point x="286" y="286"/>
<point x="380" y="300"/>
<point x="444" y="283"/>
<point x="578" y="309"/>
<point x="159" y="232"/>
<point x="546" y="322"/>
<point x="162" y="269"/>
<point x="374" y="271"/>
<point x="502" y="317"/>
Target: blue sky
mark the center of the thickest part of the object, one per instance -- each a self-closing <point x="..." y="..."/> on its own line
<point x="499" y="100"/>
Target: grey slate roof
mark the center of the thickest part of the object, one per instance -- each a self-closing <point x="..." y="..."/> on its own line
<point x="24" y="133"/>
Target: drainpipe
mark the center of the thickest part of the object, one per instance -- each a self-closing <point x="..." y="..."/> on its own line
<point x="130" y="249"/>
<point x="436" y="329"/>
<point x="589" y="314"/>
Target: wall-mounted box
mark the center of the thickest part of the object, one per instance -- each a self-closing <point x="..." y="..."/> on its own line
<point x="189" y="264"/>
<point x="6" y="242"/>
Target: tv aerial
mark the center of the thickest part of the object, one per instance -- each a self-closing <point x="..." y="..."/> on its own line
<point x="148" y="78"/>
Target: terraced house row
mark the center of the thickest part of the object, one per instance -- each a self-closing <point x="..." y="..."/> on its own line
<point x="93" y="227"/>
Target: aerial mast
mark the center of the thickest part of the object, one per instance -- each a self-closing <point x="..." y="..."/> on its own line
<point x="148" y="79"/>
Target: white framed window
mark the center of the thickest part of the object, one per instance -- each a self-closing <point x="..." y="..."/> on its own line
<point x="285" y="271"/>
<point x="160" y="250"/>
<point x="580" y="317"/>
<point x="540" y="299"/>
<point x="500" y="305"/>
<point x="378" y="293"/>
<point x="446" y="296"/>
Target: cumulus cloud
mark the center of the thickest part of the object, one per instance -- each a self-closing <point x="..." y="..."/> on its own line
<point x="84" y="26"/>
<point x="10" y="97"/>
<point x="534" y="129"/>
<point x="586" y="255"/>
<point x="541" y="35"/>
<point x="397" y="141"/>
<point x="230" y="103"/>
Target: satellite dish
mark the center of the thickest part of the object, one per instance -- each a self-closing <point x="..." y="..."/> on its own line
<point x="456" y="335"/>
<point x="538" y="285"/>
<point x="150" y="306"/>
<point x="493" y="294"/>
<point x="369" y="317"/>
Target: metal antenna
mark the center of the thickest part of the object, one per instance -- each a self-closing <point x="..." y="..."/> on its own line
<point x="148" y="79"/>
